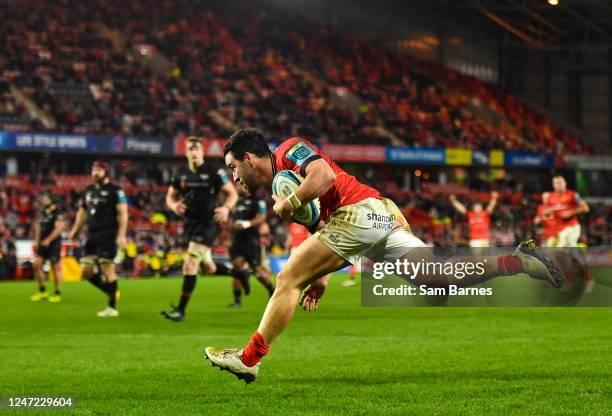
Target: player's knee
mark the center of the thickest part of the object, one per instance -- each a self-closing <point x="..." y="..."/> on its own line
<point x="286" y="279"/>
<point x="237" y="263"/>
<point x="38" y="262"/>
<point x="209" y="268"/>
<point x="109" y="272"/>
<point x="190" y="266"/>
<point x="88" y="272"/>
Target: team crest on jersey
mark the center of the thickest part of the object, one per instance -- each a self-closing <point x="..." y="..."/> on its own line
<point x="300" y="152"/>
<point x="204" y="176"/>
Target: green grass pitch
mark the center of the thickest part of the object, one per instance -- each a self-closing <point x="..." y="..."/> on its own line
<point x="342" y="360"/>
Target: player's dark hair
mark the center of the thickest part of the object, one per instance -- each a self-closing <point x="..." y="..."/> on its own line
<point x="246" y="140"/>
<point x="194" y="139"/>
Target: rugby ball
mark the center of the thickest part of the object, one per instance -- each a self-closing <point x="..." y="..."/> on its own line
<point x="284" y="183"/>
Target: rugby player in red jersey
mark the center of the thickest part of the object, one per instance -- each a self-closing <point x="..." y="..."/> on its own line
<point x="565" y="205"/>
<point x="479" y="220"/>
<point x="356" y="220"/>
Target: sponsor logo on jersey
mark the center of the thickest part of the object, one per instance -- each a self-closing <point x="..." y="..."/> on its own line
<point x="300" y="152"/>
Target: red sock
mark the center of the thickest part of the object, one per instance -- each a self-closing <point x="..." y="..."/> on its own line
<point x="255" y="350"/>
<point x="509" y="264"/>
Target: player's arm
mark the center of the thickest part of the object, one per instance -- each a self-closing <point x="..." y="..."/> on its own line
<point x="37" y="232"/>
<point x="583" y="206"/>
<point x="231" y="198"/>
<point x="122" y="219"/>
<point x="318" y="178"/>
<point x="81" y="217"/>
<point x="313" y="293"/>
<point x="58" y="227"/>
<point x="493" y="202"/>
<point x="174" y="202"/>
<point x="256" y="221"/>
<point x="222" y="213"/>
<point x="459" y="207"/>
<point x="537" y="219"/>
<point x="261" y="216"/>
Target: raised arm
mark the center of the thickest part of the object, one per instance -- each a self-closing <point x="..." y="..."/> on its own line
<point x="493" y="202"/>
<point x="459" y="207"/>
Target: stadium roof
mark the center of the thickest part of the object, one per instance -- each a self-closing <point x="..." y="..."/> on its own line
<point x="571" y="24"/>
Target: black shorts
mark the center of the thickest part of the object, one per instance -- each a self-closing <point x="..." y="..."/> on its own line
<point x="249" y="250"/>
<point x="200" y="233"/>
<point x="102" y="244"/>
<point x="51" y="252"/>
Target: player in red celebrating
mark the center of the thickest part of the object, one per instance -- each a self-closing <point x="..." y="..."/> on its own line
<point x="356" y="220"/>
<point x="565" y="205"/>
<point x="479" y="220"/>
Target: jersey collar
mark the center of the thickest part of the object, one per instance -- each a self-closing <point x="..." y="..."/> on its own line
<point x="273" y="164"/>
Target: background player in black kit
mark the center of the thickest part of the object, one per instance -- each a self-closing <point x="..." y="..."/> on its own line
<point x="104" y="207"/>
<point x="193" y="194"/>
<point x="47" y="234"/>
<point x="246" y="248"/>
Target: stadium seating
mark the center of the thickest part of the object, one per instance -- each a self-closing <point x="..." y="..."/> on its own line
<point x="88" y="67"/>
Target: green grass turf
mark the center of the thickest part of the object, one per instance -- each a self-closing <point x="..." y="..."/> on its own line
<point x="341" y="360"/>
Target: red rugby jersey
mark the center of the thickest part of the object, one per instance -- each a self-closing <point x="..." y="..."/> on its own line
<point x="480" y="223"/>
<point x="560" y="203"/>
<point x="296" y="153"/>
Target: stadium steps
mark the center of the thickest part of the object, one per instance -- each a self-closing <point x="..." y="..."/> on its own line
<point x="584" y="136"/>
<point x="34" y="110"/>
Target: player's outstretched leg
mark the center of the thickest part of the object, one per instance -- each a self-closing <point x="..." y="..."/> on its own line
<point x="536" y="265"/>
<point x="525" y="259"/>
<point x="310" y="261"/>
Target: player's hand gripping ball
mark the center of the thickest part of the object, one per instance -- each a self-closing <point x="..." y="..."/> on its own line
<point x="284" y="184"/>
